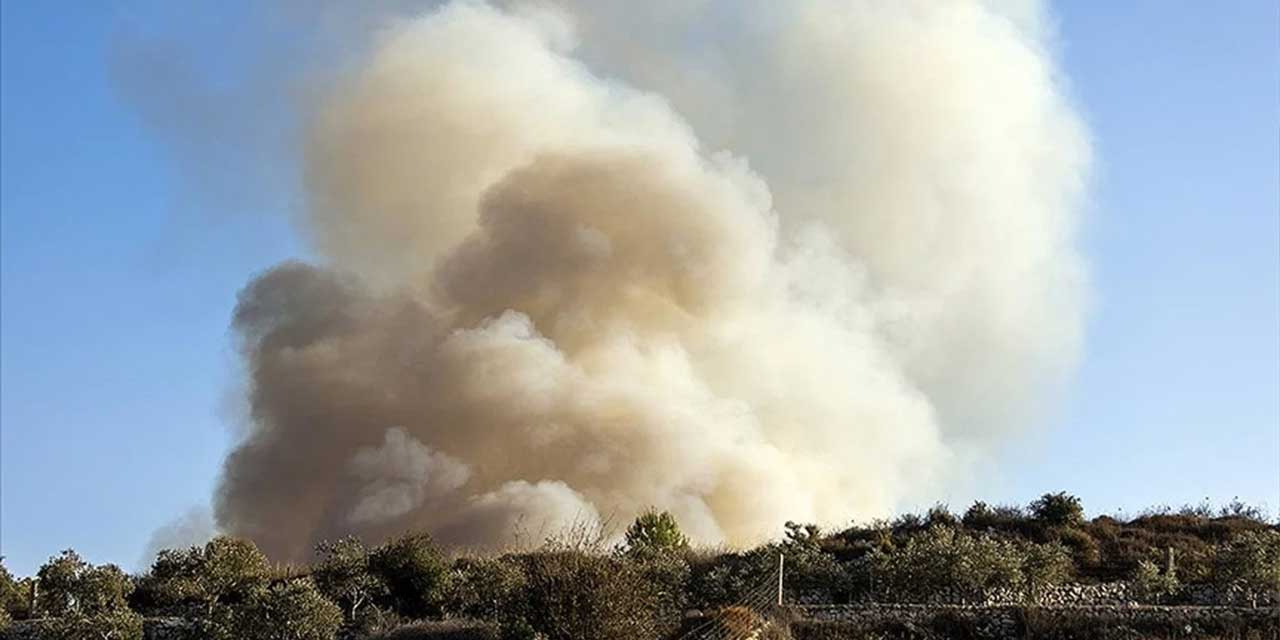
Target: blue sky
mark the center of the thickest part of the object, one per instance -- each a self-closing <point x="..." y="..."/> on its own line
<point x="117" y="278"/>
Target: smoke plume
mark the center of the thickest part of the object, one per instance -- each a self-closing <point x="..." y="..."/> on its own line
<point x="745" y="261"/>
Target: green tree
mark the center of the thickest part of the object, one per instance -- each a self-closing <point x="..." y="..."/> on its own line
<point x="343" y="575"/>
<point x="87" y="602"/>
<point x="484" y="588"/>
<point x="1058" y="510"/>
<point x="13" y="594"/>
<point x="229" y="567"/>
<point x="1044" y="565"/>
<point x="1250" y="561"/>
<point x="1152" y="584"/>
<point x="655" y="532"/>
<point x="944" y="560"/>
<point x="198" y="580"/>
<point x="58" y="579"/>
<point x="294" y="610"/>
<point x="570" y="595"/>
<point x="118" y="624"/>
<point x="414" y="572"/>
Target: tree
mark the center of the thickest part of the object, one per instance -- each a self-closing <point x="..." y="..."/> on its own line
<point x="484" y="588"/>
<point x="197" y="580"/>
<point x="1151" y="584"/>
<point x="14" y="594"/>
<point x="294" y="610"/>
<point x="344" y="576"/>
<point x="58" y="580"/>
<point x="228" y="567"/>
<point x="570" y="595"/>
<point x="946" y="561"/>
<point x="1250" y="561"/>
<point x="88" y="602"/>
<point x="1058" y="509"/>
<point x="1044" y="565"/>
<point x="655" y="532"/>
<point x="414" y="572"/>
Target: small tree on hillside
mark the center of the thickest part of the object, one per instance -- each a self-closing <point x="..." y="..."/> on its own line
<point x="1058" y="509"/>
<point x="197" y="581"/>
<point x="229" y="567"/>
<point x="59" y="578"/>
<point x="87" y="602"/>
<point x="1250" y="561"/>
<point x="1151" y="584"/>
<point x="1044" y="565"/>
<point x="294" y="610"/>
<point x="14" y="594"/>
<point x="343" y="575"/>
<point x="414" y="572"/>
<point x="655" y="532"/>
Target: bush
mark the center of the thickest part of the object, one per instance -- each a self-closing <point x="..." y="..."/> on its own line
<point x="119" y="624"/>
<point x="577" y="596"/>
<point x="85" y="601"/>
<point x="195" y="581"/>
<point x="942" y="560"/>
<point x="69" y="587"/>
<point x="484" y="588"/>
<point x="343" y="575"/>
<point x="414" y="573"/>
<point x="1152" y="585"/>
<point x="653" y="533"/>
<point x="1250" y="561"/>
<point x="292" y="610"/>
<point x="1058" y="510"/>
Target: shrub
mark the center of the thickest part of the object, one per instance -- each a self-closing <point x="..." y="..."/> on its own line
<point x="1250" y="561"/>
<point x="981" y="516"/>
<point x="15" y="595"/>
<point x="940" y="516"/>
<point x="69" y="586"/>
<point x="118" y="624"/>
<point x="1043" y="565"/>
<point x="343" y="575"/>
<point x="414" y="573"/>
<point x="197" y="580"/>
<point x="577" y="596"/>
<point x="483" y="588"/>
<point x="86" y="601"/>
<point x="668" y="575"/>
<point x="941" y="560"/>
<point x="654" y="532"/>
<point x="1084" y="550"/>
<point x="1058" y="509"/>
<point x="293" y="610"/>
<point x="1151" y="584"/>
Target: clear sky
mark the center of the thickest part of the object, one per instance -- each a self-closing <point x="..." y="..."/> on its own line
<point x="117" y="278"/>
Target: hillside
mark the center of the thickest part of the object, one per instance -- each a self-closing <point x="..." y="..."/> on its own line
<point x="1039" y="571"/>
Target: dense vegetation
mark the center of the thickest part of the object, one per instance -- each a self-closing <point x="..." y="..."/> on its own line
<point x="580" y="588"/>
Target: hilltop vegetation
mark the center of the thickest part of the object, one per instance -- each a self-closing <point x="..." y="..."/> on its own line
<point x="580" y="588"/>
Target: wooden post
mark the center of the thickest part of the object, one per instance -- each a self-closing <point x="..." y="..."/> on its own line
<point x="780" y="562"/>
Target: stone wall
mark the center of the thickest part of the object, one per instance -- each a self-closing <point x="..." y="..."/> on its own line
<point x="1089" y="595"/>
<point x="836" y="622"/>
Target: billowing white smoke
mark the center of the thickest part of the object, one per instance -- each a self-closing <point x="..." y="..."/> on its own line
<point x="748" y="262"/>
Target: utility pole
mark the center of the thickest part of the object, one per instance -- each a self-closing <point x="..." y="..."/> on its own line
<point x="780" y="563"/>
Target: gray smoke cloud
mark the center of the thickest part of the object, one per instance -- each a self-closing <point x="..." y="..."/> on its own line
<point x="747" y="262"/>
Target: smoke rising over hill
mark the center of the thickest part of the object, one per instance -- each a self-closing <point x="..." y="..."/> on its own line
<point x="742" y="261"/>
